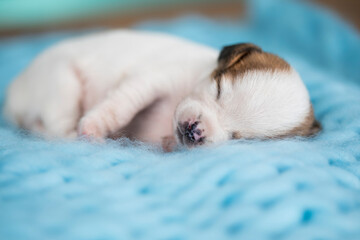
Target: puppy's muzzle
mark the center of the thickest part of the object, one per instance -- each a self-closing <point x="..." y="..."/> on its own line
<point x="189" y="134"/>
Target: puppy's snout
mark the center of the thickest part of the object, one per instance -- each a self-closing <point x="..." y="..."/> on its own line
<point x="190" y="134"/>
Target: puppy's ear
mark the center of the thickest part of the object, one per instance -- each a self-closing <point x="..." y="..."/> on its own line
<point x="232" y="54"/>
<point x="314" y="129"/>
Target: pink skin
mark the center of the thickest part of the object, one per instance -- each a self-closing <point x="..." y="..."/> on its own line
<point x="197" y="136"/>
<point x="192" y="135"/>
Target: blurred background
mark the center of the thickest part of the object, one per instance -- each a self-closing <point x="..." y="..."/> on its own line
<point x="19" y="17"/>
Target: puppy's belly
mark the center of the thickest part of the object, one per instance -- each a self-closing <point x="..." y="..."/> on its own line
<point x="151" y="124"/>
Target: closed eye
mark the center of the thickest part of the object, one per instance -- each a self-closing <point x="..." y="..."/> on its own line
<point x="218" y="87"/>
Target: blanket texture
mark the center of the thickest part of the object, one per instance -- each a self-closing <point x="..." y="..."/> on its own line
<point x="283" y="189"/>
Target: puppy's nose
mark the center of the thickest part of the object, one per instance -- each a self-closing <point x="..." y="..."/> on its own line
<point x="191" y="133"/>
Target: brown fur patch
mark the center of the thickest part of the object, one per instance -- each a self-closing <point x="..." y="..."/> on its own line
<point x="238" y="59"/>
<point x="235" y="135"/>
<point x="309" y="127"/>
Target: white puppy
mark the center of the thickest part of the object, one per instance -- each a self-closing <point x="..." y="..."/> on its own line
<point x="151" y="87"/>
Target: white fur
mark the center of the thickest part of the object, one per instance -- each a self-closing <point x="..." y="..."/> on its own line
<point x="113" y="76"/>
<point x="133" y="81"/>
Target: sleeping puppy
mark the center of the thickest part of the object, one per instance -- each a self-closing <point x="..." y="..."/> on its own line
<point x="157" y="88"/>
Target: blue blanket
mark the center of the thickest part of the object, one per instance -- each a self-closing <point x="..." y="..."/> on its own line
<point x="281" y="189"/>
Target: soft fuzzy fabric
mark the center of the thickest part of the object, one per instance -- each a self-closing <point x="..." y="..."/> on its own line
<point x="285" y="189"/>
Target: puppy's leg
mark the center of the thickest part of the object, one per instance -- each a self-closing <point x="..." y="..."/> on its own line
<point x="64" y="107"/>
<point x="117" y="110"/>
<point x="45" y="100"/>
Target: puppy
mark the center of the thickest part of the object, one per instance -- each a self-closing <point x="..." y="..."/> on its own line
<point x="158" y="88"/>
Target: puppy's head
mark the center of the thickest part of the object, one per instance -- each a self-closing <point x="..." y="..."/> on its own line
<point x="251" y="94"/>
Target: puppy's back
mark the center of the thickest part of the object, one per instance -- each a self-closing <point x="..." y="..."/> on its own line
<point x="45" y="97"/>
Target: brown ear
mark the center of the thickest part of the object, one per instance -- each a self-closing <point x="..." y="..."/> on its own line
<point x="315" y="128"/>
<point x="232" y="54"/>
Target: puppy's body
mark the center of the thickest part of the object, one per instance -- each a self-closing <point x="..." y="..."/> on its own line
<point x="147" y="86"/>
<point x="70" y="80"/>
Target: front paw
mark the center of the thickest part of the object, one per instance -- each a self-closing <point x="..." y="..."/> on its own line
<point x="90" y="128"/>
